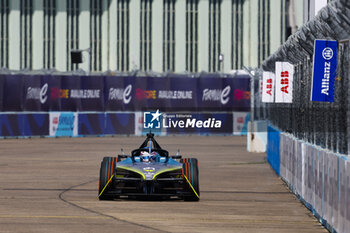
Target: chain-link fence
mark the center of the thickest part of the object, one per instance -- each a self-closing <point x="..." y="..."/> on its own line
<point x="260" y="109"/>
<point x="321" y="123"/>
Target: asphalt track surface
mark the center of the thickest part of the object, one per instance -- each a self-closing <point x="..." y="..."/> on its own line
<point x="50" y="185"/>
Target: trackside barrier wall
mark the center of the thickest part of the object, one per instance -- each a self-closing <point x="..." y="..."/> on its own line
<point x="72" y="124"/>
<point x="273" y="151"/>
<point x="106" y="123"/>
<point x="72" y="105"/>
<point x="21" y="125"/>
<point x="319" y="178"/>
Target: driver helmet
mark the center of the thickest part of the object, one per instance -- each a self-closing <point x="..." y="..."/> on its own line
<point x="154" y="154"/>
<point x="145" y="156"/>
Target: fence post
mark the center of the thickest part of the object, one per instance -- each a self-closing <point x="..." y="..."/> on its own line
<point x="252" y="99"/>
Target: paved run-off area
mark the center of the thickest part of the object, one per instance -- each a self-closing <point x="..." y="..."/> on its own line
<point x="50" y="185"/>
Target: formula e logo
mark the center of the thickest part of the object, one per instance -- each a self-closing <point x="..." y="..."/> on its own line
<point x="327" y="53"/>
<point x="36" y="93"/>
<point x="221" y="95"/>
<point x="152" y="120"/>
<point x="121" y="94"/>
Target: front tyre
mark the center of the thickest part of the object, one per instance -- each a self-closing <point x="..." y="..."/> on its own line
<point x="107" y="170"/>
<point x="191" y="172"/>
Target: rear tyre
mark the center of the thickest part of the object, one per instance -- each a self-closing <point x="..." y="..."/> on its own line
<point x="190" y="170"/>
<point x="107" y="170"/>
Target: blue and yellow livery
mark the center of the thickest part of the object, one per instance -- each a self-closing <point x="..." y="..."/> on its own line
<point x="163" y="177"/>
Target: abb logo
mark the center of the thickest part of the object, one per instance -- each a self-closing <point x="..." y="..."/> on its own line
<point x="284" y="74"/>
<point x="269" y="86"/>
<point x="284" y="81"/>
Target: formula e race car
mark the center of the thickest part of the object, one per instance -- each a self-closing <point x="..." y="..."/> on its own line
<point x="149" y="173"/>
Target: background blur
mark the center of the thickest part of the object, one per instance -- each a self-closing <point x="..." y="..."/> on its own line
<point x="146" y="35"/>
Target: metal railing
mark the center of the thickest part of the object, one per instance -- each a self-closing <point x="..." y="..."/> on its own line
<point x="320" y="123"/>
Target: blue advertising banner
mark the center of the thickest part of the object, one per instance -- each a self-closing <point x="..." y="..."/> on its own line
<point x="13" y="93"/>
<point x="27" y="125"/>
<point x="241" y="93"/>
<point x="119" y="123"/>
<point x="106" y="123"/>
<point x="55" y="93"/>
<point x="35" y="94"/>
<point x="43" y="93"/>
<point x="152" y="93"/>
<point x="10" y="125"/>
<point x="2" y="78"/>
<point x="119" y="92"/>
<point x="181" y="94"/>
<point x="69" y="93"/>
<point x="91" y="94"/>
<point x="143" y="94"/>
<point x="225" y="94"/>
<point x="324" y="70"/>
<point x="91" y="123"/>
<point x="36" y="124"/>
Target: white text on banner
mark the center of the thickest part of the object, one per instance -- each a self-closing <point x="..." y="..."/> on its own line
<point x="324" y="70"/>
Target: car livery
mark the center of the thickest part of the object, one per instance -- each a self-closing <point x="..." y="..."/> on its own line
<point x="165" y="177"/>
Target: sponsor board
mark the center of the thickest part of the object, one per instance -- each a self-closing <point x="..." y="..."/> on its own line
<point x="268" y="87"/>
<point x="63" y="124"/>
<point x="284" y="72"/>
<point x="24" y="124"/>
<point x="240" y="123"/>
<point x="324" y="70"/>
<point x="127" y="93"/>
